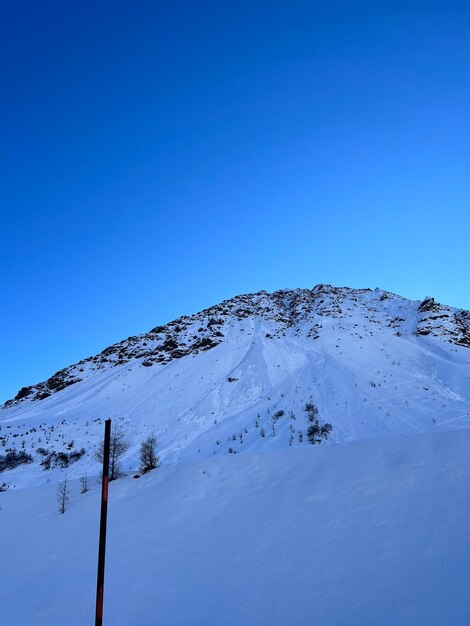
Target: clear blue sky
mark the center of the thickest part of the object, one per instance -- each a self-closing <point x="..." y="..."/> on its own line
<point x="157" y="157"/>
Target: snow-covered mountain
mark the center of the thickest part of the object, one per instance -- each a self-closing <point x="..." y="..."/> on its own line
<point x="236" y="377"/>
<point x="245" y="523"/>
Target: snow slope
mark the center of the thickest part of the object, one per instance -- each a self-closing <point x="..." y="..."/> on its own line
<point x="374" y="363"/>
<point x="246" y="523"/>
<point x="371" y="532"/>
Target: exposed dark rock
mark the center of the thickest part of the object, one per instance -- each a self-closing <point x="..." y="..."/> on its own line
<point x="428" y="304"/>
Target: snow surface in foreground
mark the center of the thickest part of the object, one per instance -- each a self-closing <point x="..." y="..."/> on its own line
<point x="371" y="532"/>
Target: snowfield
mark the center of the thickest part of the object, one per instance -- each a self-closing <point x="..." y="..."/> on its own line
<point x="372" y="532"/>
<point x="245" y="522"/>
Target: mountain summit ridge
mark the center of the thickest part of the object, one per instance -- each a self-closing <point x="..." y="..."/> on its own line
<point x="288" y="307"/>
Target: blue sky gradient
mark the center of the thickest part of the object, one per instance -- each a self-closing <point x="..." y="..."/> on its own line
<point x="159" y="158"/>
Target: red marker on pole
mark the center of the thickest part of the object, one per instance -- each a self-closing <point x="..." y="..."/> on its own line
<point x="103" y="519"/>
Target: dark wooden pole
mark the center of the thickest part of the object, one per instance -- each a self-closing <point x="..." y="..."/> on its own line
<point x="104" y="515"/>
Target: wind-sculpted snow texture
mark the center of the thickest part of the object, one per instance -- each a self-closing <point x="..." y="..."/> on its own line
<point x="236" y="377"/>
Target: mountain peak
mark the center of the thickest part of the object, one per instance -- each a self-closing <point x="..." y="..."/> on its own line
<point x="301" y="312"/>
<point x="240" y="375"/>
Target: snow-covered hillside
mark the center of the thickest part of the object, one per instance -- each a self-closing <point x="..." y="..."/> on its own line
<point x="374" y="363"/>
<point x="368" y="533"/>
<point x="245" y="523"/>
